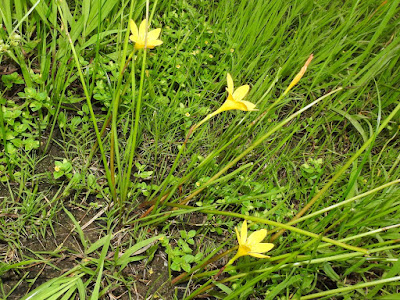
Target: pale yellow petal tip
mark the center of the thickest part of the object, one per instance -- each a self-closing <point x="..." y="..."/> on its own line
<point x="229" y="81"/>
<point x="244" y="232"/>
<point x="132" y="23"/>
<point x="310" y="58"/>
<point x="238" y="236"/>
<point x="299" y="75"/>
<point x="143" y="24"/>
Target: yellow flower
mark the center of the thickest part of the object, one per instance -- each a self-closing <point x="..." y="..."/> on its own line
<point x="234" y="100"/>
<point x="139" y="35"/>
<point x="57" y="168"/>
<point x="251" y="245"/>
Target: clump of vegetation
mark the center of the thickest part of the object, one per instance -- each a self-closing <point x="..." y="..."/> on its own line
<point x="142" y="142"/>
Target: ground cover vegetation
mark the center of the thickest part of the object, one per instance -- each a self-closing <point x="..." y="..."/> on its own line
<point x="199" y="149"/>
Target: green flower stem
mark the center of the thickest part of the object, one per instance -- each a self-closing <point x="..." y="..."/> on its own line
<point x="275" y="224"/>
<point x="258" y="142"/>
<point x="114" y="112"/>
<point x="132" y="138"/>
<point x="166" y="195"/>
<point x="218" y="111"/>
<point x="107" y="118"/>
<point x="286" y="227"/>
<point x="126" y="41"/>
<point x="319" y="212"/>
<point x="134" y="135"/>
<point x="89" y="103"/>
<point x="208" y="117"/>
<point x="341" y="171"/>
<point x="363" y="234"/>
<point x="124" y="174"/>
<point x="132" y="141"/>
<point x="305" y="261"/>
<point x="264" y="274"/>
<point x="351" y="288"/>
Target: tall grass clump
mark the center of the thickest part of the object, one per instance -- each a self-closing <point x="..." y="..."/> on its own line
<point x="249" y="145"/>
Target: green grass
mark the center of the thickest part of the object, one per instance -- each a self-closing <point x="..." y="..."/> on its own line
<point x="146" y="214"/>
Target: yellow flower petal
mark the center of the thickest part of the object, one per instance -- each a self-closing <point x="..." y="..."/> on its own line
<point x="238" y="236"/>
<point x="258" y="255"/>
<point x="256" y="237"/>
<point x="241" y="92"/>
<point x="230" y="104"/>
<point x="244" y="232"/>
<point x="134" y="31"/>
<point x="262" y="247"/>
<point x="250" y="106"/>
<point x="230" y="83"/>
<point x="142" y="30"/>
<point x="154" y="43"/>
<point x="153" y="34"/>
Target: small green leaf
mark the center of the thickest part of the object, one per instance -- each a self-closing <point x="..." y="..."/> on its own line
<point x="36" y="105"/>
<point x="17" y="142"/>
<point x="11" y="149"/>
<point x="30" y="93"/>
<point x="186" y="267"/>
<point x="12" y="114"/>
<point x="21" y="127"/>
<point x="175" y="266"/>
<point x="58" y="174"/>
<point x="31" y="144"/>
<point x="42" y="96"/>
